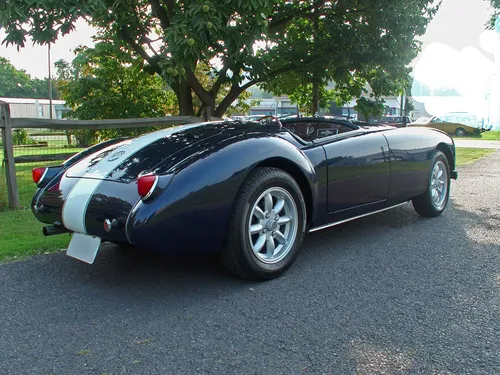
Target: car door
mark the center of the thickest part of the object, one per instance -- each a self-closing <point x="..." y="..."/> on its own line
<point x="358" y="167"/>
<point x="438" y="123"/>
<point x="449" y="125"/>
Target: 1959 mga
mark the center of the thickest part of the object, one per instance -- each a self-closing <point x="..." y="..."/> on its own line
<point x="247" y="190"/>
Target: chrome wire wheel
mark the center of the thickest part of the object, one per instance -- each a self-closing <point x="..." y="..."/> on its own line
<point x="272" y="226"/>
<point x="439" y="185"/>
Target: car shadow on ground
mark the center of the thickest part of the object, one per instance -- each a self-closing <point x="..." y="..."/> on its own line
<point x="122" y="266"/>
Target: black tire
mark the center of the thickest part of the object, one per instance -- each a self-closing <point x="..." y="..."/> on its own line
<point x="424" y="204"/>
<point x="237" y="254"/>
<point x="460" y="132"/>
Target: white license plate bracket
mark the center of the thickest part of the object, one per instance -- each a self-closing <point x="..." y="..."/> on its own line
<point x="83" y="247"/>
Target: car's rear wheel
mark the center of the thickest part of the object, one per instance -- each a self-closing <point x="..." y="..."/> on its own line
<point x="460" y="132"/>
<point x="267" y="225"/>
<point x="435" y="199"/>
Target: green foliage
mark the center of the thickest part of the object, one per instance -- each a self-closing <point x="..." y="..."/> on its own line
<point x="302" y="96"/>
<point x="16" y="83"/>
<point x="13" y="82"/>
<point x="370" y="108"/>
<point x="241" y="106"/>
<point x="105" y="82"/>
<point x="365" y="45"/>
<point x="21" y="137"/>
<point x="243" y="42"/>
<point x="495" y="17"/>
<point x="409" y="107"/>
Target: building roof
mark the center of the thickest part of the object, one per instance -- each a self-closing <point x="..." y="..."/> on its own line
<point x="31" y="101"/>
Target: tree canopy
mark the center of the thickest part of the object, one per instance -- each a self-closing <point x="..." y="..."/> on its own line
<point x="281" y="45"/>
<point x="16" y="83"/>
<point x="104" y="83"/>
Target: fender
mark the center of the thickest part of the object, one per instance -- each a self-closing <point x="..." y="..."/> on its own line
<point x="411" y="151"/>
<point x="196" y="206"/>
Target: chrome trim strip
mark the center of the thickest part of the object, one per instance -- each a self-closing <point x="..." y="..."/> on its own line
<point x="354" y="218"/>
<point x="43" y="176"/>
<point x="135" y="208"/>
<point x="152" y="189"/>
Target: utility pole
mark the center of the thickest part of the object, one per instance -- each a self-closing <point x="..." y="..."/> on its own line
<point x="50" y="85"/>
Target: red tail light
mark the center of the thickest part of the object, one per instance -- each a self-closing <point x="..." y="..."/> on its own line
<point x="38" y="174"/>
<point x="146" y="185"/>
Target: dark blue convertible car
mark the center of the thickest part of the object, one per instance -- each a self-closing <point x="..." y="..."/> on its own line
<point x="247" y="190"/>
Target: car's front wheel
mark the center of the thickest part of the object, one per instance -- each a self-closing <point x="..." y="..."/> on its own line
<point x="460" y="132"/>
<point x="435" y="199"/>
<point x="267" y="225"/>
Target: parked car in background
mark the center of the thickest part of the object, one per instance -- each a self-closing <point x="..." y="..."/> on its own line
<point x="254" y="117"/>
<point x="456" y="123"/>
<point x="248" y="118"/>
<point x="396" y="121"/>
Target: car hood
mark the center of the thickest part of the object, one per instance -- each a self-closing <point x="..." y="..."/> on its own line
<point x="126" y="160"/>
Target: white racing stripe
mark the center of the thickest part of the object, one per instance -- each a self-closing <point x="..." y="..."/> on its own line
<point x="77" y="201"/>
<point x="75" y="206"/>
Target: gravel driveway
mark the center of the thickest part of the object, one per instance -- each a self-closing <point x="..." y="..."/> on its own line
<point x="387" y="294"/>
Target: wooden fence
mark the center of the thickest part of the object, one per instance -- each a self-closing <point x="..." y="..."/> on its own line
<point x="7" y="124"/>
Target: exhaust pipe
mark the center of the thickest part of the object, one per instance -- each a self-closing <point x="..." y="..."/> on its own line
<point x="52" y="230"/>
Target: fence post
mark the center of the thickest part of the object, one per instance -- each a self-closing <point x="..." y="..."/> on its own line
<point x="8" y="156"/>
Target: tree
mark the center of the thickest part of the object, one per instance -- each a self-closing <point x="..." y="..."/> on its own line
<point x="242" y="42"/>
<point x="40" y="89"/>
<point x="13" y="83"/>
<point x="372" y="47"/>
<point x="370" y="108"/>
<point x="104" y="83"/>
<point x="16" y="83"/>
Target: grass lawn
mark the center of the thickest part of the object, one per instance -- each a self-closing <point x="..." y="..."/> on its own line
<point x="486" y="136"/>
<point x="466" y="156"/>
<point x="25" y="184"/>
<point x="21" y="236"/>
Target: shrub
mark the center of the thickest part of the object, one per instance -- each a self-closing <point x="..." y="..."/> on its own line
<point x="21" y="137"/>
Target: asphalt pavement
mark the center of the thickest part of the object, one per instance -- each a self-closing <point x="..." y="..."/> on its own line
<point x="388" y="294"/>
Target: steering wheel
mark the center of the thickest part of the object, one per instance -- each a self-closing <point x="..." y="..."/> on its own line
<point x="273" y="118"/>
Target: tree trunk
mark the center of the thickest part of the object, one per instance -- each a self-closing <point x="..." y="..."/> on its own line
<point x="401" y="104"/>
<point x="315" y="98"/>
<point x="185" y="100"/>
<point x="231" y="96"/>
<point x="68" y="137"/>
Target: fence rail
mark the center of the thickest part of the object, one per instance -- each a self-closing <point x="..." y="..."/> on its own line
<point x="33" y="123"/>
<point x="46" y="150"/>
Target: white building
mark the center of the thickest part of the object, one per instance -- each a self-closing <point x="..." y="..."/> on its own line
<point x="35" y="108"/>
